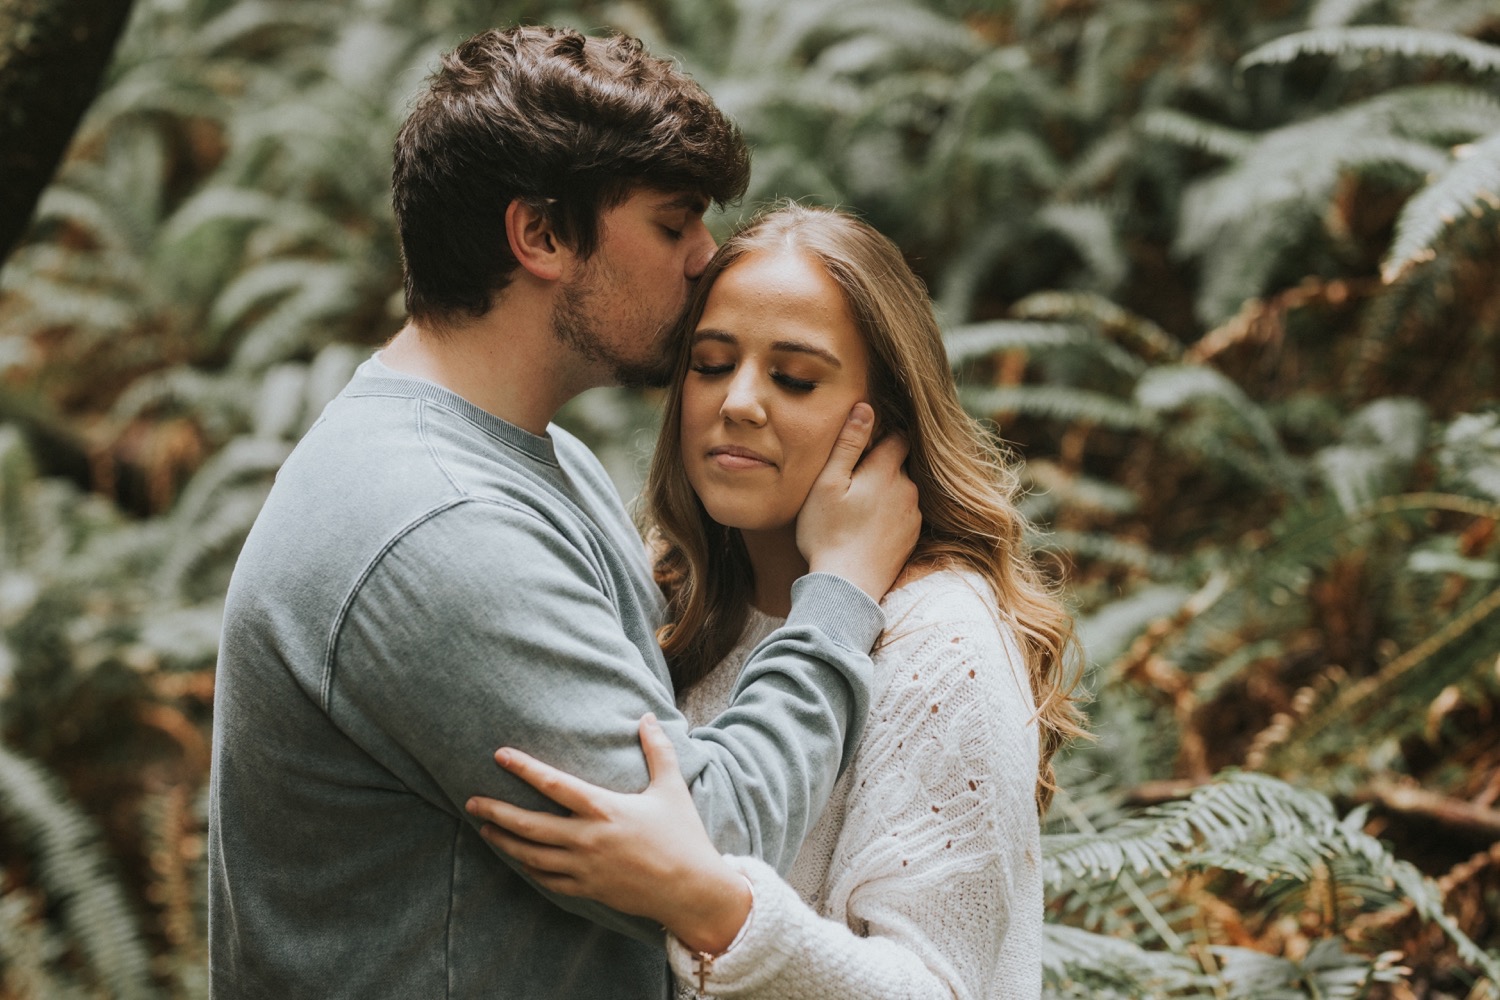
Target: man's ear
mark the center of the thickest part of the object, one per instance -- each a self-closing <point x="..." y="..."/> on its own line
<point x="533" y="242"/>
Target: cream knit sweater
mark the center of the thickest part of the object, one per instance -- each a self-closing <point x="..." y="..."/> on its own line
<point x="922" y="878"/>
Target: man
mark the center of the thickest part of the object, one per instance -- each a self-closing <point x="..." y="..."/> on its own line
<point x="439" y="571"/>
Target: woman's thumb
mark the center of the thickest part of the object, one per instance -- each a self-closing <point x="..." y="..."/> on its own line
<point x="661" y="756"/>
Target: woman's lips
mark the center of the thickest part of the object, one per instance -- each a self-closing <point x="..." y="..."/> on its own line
<point x="735" y="458"/>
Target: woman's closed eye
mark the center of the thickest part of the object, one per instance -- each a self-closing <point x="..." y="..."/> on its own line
<point x="793" y="383"/>
<point x="705" y="368"/>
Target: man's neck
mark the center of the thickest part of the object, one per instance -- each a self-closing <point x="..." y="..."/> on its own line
<point x="506" y="364"/>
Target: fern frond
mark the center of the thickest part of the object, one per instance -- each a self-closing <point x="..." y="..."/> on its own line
<point x="74" y="870"/>
<point x="1195" y="133"/>
<point x="99" y="221"/>
<point x="1053" y="402"/>
<point x="213" y="545"/>
<point x="978" y="340"/>
<point x="1381" y="442"/>
<point x="970" y="265"/>
<point x="1295" y="164"/>
<point x="1469" y="455"/>
<point x="1427" y="899"/>
<point x="30" y="952"/>
<point x="1469" y="185"/>
<point x="1463" y="646"/>
<point x="1090" y="229"/>
<point x="1082" y="964"/>
<point x="1078" y="490"/>
<point x="329" y="372"/>
<point x="1327" y="970"/>
<point x="1167" y="388"/>
<point x="1377" y="39"/>
<point x="243" y="460"/>
<point x="184" y="638"/>
<point x="1012" y="155"/>
<point x="1107" y="549"/>
<point x="1099" y="165"/>
<point x="244" y="22"/>
<point x="1135" y="332"/>
<point x="253" y="286"/>
<point x="217" y="405"/>
<point x="59" y="304"/>
<point x="326" y="292"/>
<point x="1108" y="632"/>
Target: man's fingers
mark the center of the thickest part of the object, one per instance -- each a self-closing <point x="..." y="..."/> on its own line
<point x="661" y="756"/>
<point x="567" y="791"/>
<point x="851" y="443"/>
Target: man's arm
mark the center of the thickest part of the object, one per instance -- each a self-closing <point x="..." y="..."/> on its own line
<point x="482" y="628"/>
<point x="485" y="627"/>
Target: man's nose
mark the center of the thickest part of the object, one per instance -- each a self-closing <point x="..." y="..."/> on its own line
<point x="701" y="250"/>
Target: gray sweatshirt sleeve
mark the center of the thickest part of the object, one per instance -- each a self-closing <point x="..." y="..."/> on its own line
<point x="482" y="628"/>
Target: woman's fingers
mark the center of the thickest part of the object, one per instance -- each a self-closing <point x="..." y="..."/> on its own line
<point x="541" y="827"/>
<point x="567" y="791"/>
<point x="552" y="861"/>
<point x="661" y="756"/>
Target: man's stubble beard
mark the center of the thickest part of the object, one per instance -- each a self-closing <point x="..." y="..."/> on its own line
<point x="575" y="326"/>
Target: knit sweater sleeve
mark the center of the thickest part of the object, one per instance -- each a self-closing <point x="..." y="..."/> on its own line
<point x="940" y="848"/>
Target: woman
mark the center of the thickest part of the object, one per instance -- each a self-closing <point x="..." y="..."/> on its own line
<point x="922" y="878"/>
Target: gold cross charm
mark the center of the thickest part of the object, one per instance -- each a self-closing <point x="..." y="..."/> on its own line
<point x="705" y="966"/>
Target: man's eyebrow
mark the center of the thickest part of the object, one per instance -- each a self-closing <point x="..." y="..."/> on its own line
<point x="686" y="200"/>
<point x="780" y="346"/>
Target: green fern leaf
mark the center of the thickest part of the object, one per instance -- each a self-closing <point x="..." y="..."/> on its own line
<point x="74" y="870"/>
<point x="1063" y="403"/>
<point x="1083" y="964"/>
<point x="248" y="22"/>
<point x="1384" y="40"/>
<point x="1090" y="229"/>
<point x="978" y="340"/>
<point x="1194" y="133"/>
<point x="1470" y="453"/>
<point x="1111" y="319"/>
<point x="1327" y="971"/>
<point x="1467" y="186"/>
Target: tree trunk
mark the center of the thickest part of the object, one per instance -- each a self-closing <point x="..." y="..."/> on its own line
<point x="53" y="54"/>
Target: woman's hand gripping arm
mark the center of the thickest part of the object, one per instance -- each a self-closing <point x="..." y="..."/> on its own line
<point x="646" y="854"/>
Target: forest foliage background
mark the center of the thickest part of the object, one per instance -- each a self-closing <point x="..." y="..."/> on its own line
<point x="1224" y="275"/>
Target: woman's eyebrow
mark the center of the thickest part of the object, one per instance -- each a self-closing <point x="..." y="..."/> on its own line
<point x="798" y="347"/>
<point x="779" y="347"/>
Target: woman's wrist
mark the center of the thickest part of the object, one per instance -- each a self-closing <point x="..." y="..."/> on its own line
<point x="715" y="905"/>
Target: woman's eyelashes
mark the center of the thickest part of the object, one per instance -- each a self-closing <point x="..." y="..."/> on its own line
<point x="793" y="383"/>
<point x="790" y="382"/>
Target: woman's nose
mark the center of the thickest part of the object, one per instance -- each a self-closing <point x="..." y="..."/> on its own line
<point x="742" y="402"/>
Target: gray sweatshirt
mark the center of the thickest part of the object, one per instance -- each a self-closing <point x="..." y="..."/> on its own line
<point x="425" y="584"/>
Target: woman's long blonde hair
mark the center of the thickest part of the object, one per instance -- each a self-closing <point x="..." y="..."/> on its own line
<point x="966" y="491"/>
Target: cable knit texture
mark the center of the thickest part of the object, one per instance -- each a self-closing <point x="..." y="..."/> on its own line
<point x="922" y="879"/>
